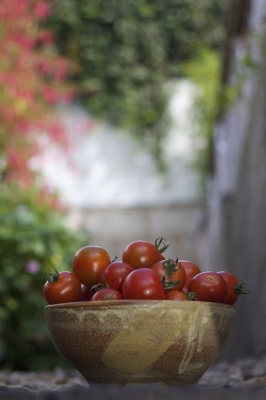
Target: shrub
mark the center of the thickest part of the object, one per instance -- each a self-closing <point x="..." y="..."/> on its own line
<point x="32" y="80"/>
<point x="33" y="239"/>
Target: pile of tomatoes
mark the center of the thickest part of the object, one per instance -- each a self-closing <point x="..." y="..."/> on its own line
<point x="143" y="273"/>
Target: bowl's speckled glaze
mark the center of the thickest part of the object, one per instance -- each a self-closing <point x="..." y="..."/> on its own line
<point x="120" y="342"/>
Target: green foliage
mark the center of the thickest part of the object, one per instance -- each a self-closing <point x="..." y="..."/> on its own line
<point x="33" y="239"/>
<point x="124" y="51"/>
<point x="204" y="71"/>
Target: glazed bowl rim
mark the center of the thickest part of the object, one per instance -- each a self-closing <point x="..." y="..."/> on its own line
<point x="111" y="304"/>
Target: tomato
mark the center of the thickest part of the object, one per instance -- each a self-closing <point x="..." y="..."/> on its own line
<point x="143" y="284"/>
<point x="235" y="288"/>
<point x="162" y="257"/>
<point x="63" y="287"/>
<point x="209" y="286"/>
<point x="141" y="254"/>
<point x="86" y="292"/>
<point x="114" y="274"/>
<point x="88" y="262"/>
<point x="175" y="295"/>
<point x="191" y="270"/>
<point x="107" y="294"/>
<point x="170" y="272"/>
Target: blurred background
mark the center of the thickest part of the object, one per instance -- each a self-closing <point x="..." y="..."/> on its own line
<point x="128" y="120"/>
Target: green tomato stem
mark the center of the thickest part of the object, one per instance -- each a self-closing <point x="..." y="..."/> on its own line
<point x="52" y="278"/>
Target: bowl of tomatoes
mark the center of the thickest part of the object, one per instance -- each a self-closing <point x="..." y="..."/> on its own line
<point x="142" y="319"/>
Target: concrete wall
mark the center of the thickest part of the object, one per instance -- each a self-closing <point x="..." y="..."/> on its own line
<point x="236" y="217"/>
<point x="113" y="228"/>
<point x="247" y="250"/>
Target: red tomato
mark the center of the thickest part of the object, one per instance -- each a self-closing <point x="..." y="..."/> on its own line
<point x="235" y="288"/>
<point x="114" y="274"/>
<point x="175" y="295"/>
<point x="63" y="287"/>
<point x="209" y="286"/>
<point x="191" y="270"/>
<point x="86" y="293"/>
<point x="143" y="284"/>
<point x="170" y="271"/>
<point x="141" y="254"/>
<point x="107" y="294"/>
<point x="88" y="262"/>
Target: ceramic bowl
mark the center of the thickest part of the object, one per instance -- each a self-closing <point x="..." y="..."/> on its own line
<point x="172" y="342"/>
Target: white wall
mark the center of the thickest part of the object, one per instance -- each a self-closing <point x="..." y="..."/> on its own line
<point x="114" y="228"/>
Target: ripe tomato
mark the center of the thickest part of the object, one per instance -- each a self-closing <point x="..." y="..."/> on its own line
<point x="114" y="275"/>
<point x="170" y="271"/>
<point x="86" y="293"/>
<point x="63" y="287"/>
<point x="191" y="270"/>
<point x="107" y="294"/>
<point x="209" y="286"/>
<point x="143" y="284"/>
<point x="235" y="288"/>
<point x="175" y="295"/>
<point x="88" y="262"/>
<point x="141" y="254"/>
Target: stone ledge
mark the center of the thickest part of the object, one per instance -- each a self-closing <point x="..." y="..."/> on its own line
<point x="133" y="392"/>
<point x="241" y="378"/>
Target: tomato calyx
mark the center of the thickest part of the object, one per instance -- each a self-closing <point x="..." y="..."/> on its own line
<point x="101" y="285"/>
<point x="241" y="289"/>
<point x="106" y="297"/>
<point x="52" y="278"/>
<point x="191" y="296"/>
<point x="160" y="244"/>
<point x="170" y="285"/>
<point x="170" y="268"/>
